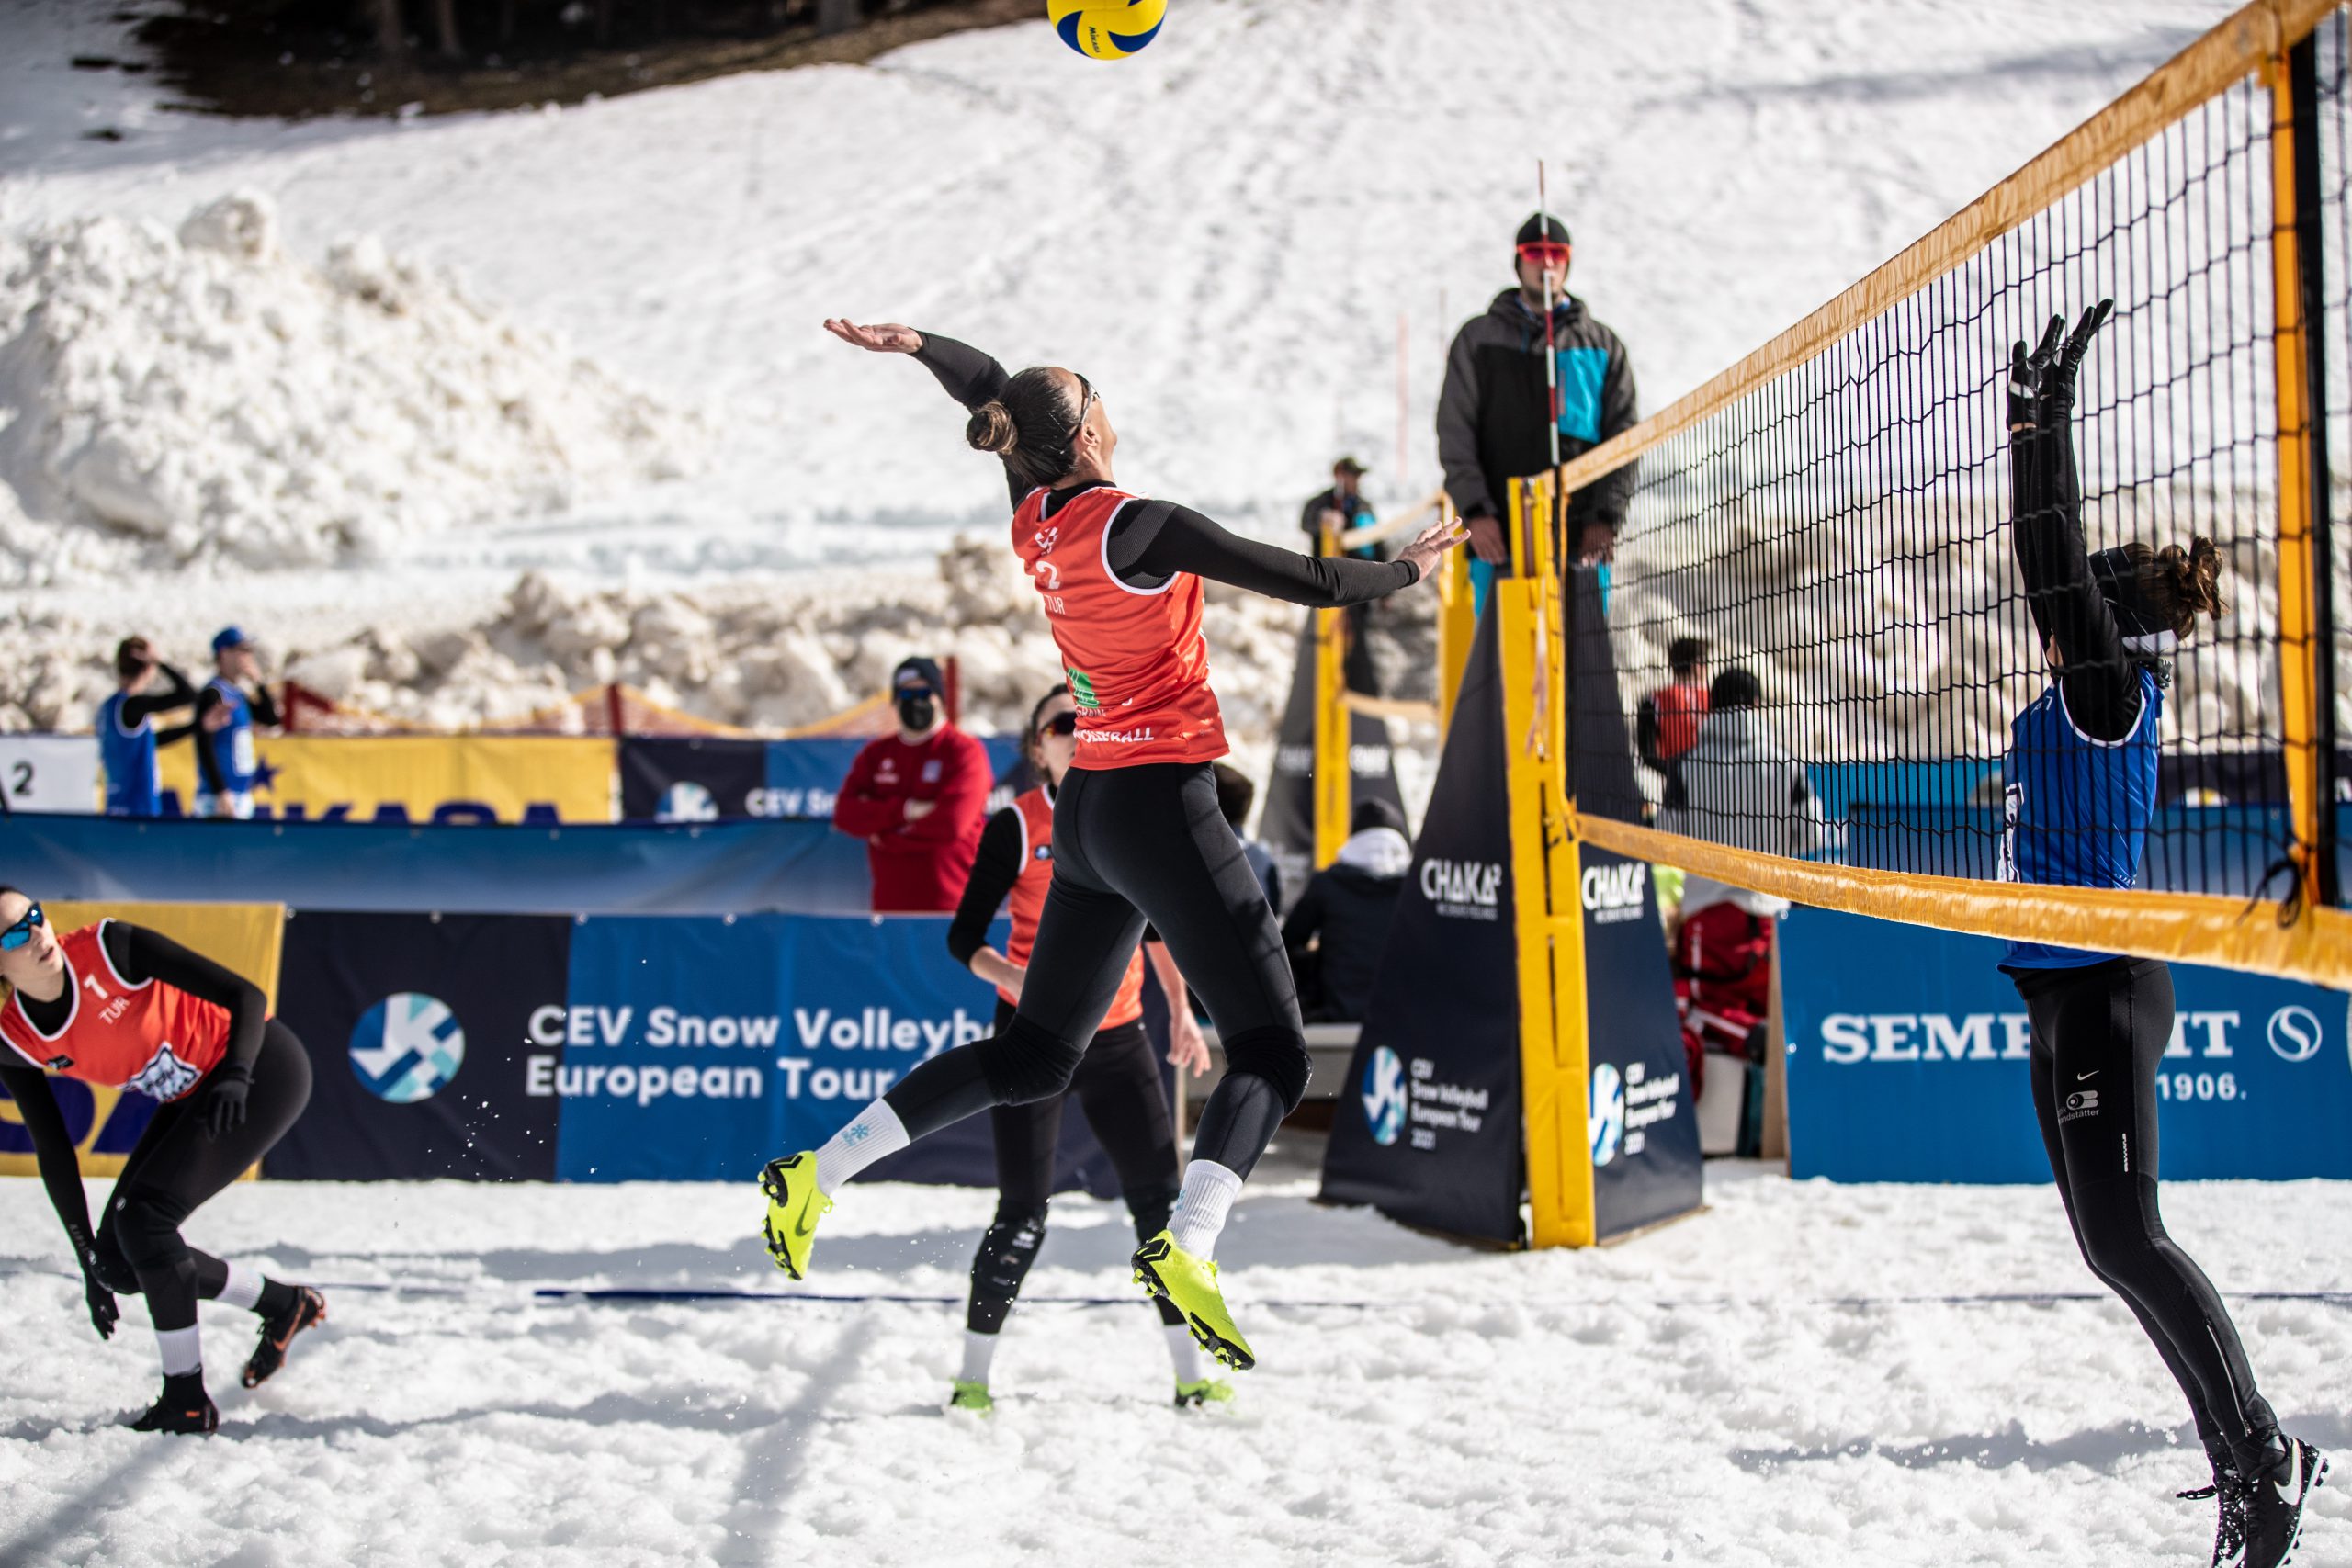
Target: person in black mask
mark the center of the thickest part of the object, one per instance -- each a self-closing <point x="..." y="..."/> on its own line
<point x="918" y="798"/>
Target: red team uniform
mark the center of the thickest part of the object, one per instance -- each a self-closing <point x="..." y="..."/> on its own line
<point x="151" y="1037"/>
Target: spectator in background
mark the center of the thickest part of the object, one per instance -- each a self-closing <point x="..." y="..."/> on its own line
<point x="1734" y="786"/>
<point x="918" y="798"/>
<point x="1344" y="507"/>
<point x="1668" y="724"/>
<point x="128" y="738"/>
<point x="1339" y="924"/>
<point x="227" y="766"/>
<point x="1493" y="422"/>
<point x="1234" y="796"/>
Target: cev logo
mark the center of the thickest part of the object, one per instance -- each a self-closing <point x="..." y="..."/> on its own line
<point x="1605" y="1122"/>
<point x="1383" y="1096"/>
<point x="407" y="1047"/>
<point x="2295" y="1034"/>
<point x="686" y="801"/>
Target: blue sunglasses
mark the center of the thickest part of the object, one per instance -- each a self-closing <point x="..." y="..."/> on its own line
<point x="20" y="933"/>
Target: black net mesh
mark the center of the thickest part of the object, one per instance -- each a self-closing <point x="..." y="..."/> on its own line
<point x="1843" y="535"/>
<point x="2332" y="48"/>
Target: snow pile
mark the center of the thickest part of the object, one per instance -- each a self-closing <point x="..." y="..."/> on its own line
<point x="172" y="397"/>
<point x="761" y="656"/>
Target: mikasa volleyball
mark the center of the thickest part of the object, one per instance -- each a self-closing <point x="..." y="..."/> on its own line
<point x="1106" y="30"/>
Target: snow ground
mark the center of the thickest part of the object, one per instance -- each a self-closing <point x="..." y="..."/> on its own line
<point x="1805" y="1374"/>
<point x="1276" y="181"/>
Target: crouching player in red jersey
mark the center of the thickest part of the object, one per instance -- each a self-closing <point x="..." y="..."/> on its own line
<point x="117" y="1005"/>
<point x="1137" y="835"/>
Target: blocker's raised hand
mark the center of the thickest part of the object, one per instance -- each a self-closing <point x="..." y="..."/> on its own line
<point x="1431" y="542"/>
<point x="2041" y="384"/>
<point x="884" y="337"/>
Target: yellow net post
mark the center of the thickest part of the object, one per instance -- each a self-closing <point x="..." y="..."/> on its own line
<point x="1546" y="868"/>
<point x="1331" y="721"/>
<point x="2298" y="652"/>
<point x="1457" y="622"/>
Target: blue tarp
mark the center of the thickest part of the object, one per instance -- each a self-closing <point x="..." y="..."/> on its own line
<point x="712" y="868"/>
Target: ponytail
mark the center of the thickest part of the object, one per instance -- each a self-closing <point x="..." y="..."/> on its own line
<point x="2183" y="584"/>
<point x="1033" y="425"/>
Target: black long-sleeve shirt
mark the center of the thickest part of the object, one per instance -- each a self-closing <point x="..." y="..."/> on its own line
<point x="1153" y="540"/>
<point x="139" y="955"/>
<point x="2096" y="676"/>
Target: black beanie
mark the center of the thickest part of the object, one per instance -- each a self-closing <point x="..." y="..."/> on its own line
<point x="1541" y="226"/>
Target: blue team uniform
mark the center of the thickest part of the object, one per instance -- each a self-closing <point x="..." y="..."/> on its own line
<point x="134" y="784"/>
<point x="2078" y="809"/>
<point x="232" y="752"/>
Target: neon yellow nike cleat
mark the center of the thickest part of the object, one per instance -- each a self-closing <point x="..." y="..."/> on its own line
<point x="794" y="1207"/>
<point x="1167" y="1271"/>
<point x="972" y="1396"/>
<point x="1208" y="1391"/>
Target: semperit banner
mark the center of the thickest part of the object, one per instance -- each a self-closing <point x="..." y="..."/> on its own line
<point x="419" y="778"/>
<point x="106" y="1122"/>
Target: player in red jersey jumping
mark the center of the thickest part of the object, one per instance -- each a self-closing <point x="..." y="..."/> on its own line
<point x="1137" y="835"/>
<point x="118" y="1005"/>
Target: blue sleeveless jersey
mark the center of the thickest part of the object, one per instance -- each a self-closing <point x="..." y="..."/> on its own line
<point x="134" y="787"/>
<point x="232" y="743"/>
<point x="2078" y="809"/>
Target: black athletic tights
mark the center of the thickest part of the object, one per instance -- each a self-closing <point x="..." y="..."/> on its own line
<point x="2099" y="1035"/>
<point x="174" y="1167"/>
<point x="1132" y="844"/>
<point x="1117" y="1087"/>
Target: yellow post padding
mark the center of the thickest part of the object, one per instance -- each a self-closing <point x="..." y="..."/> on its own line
<point x="1457" y="622"/>
<point x="246" y="938"/>
<point x="319" y="775"/>
<point x="2179" y="928"/>
<point x="1333" y="793"/>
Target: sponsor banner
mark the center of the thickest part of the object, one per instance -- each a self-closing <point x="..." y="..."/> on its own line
<point x="424" y="1033"/>
<point x="1427" y="1129"/>
<point x="804" y="777"/>
<point x="1908" y="1049"/>
<point x="1641" y="1119"/>
<point x="442" y="780"/>
<point x="106" y="1122"/>
<point x="682" y="868"/>
<point x="692" y="778"/>
<point x="700" y="1049"/>
<point x="51" y="773"/>
<point x="1286" y="822"/>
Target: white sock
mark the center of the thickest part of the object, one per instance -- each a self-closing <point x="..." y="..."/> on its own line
<point x="1183" y="1350"/>
<point x="181" y="1349"/>
<point x="243" y="1289"/>
<point x="978" y="1349"/>
<point x="871" y="1133"/>
<point x="1207" y="1197"/>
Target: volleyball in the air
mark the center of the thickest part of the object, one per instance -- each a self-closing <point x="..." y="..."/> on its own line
<point x="1106" y="30"/>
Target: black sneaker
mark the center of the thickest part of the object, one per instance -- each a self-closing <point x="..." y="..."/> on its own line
<point x="2229" y="1535"/>
<point x="308" y="1310"/>
<point x="185" y="1408"/>
<point x="2274" y="1505"/>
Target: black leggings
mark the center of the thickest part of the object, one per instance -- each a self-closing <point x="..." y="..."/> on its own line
<point x="2099" y="1035"/>
<point x="1131" y="845"/>
<point x="176" y="1165"/>
<point x="1117" y="1085"/>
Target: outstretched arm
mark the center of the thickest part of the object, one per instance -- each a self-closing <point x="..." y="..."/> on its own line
<point x="1154" y="540"/>
<point x="965" y="373"/>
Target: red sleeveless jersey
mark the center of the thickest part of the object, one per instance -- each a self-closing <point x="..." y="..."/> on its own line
<point x="152" y="1037"/>
<point x="1136" y="661"/>
<point x="1028" y="897"/>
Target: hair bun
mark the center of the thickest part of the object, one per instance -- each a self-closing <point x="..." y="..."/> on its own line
<point x="991" y="429"/>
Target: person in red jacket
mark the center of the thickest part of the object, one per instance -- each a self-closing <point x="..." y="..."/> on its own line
<point x="918" y="798"/>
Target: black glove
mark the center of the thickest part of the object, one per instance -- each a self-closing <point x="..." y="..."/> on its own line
<point x="99" y="1298"/>
<point x="224" y="1104"/>
<point x="2041" y="384"/>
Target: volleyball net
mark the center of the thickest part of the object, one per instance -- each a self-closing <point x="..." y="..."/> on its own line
<point x="1832" y="515"/>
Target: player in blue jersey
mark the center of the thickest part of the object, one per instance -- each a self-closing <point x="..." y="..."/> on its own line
<point x="128" y="738"/>
<point x="227" y="763"/>
<point x="2080" y="781"/>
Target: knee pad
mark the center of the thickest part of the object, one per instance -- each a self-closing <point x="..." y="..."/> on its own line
<point x="1026" y="1064"/>
<point x="1276" y="1055"/>
<point x="111" y="1267"/>
<point x="1002" y="1263"/>
<point x="1151" y="1207"/>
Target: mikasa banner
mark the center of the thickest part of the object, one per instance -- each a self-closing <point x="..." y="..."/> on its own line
<point x="419" y="778"/>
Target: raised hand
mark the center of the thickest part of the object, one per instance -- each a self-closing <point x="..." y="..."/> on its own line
<point x="2041" y="384"/>
<point x="1431" y="542"/>
<point x="886" y="337"/>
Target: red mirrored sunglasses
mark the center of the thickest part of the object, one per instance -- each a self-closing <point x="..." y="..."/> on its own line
<point x="1544" y="253"/>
